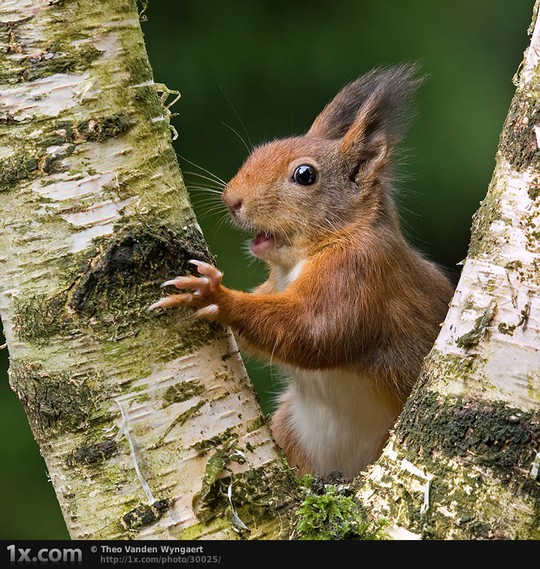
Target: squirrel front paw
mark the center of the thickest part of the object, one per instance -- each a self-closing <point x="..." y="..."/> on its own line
<point x="204" y="291"/>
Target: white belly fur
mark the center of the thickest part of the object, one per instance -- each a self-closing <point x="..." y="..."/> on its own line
<point x="338" y="419"/>
<point x="284" y="277"/>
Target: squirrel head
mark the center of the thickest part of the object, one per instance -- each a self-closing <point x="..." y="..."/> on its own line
<point x="297" y="192"/>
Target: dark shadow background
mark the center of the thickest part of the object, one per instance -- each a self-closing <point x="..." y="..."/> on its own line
<point x="266" y="69"/>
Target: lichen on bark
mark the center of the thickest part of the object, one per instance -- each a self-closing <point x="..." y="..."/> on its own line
<point x="456" y="465"/>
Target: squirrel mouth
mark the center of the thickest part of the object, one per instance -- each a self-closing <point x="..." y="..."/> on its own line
<point x="262" y="243"/>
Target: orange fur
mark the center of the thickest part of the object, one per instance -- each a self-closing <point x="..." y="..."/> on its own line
<point x="349" y="309"/>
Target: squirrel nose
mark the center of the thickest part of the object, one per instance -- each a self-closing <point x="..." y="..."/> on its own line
<point x="235" y="206"/>
<point x="234" y="203"/>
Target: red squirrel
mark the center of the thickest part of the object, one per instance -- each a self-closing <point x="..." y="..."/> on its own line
<point x="350" y="308"/>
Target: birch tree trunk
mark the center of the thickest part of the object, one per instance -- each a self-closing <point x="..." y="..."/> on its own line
<point x="464" y="460"/>
<point x="148" y="423"/>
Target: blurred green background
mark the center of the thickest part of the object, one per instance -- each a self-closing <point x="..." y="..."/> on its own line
<point x="265" y="69"/>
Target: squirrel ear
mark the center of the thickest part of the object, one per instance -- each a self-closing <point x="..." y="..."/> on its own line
<point x="368" y="140"/>
<point x="337" y="116"/>
<point x="380" y="119"/>
<point x="374" y="105"/>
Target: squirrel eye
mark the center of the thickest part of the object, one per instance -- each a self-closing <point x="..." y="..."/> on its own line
<point x="304" y="175"/>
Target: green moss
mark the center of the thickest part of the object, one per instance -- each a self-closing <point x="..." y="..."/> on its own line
<point x="182" y="391"/>
<point x="267" y="493"/>
<point x="257" y="423"/>
<point x="39" y="318"/>
<point x="53" y="58"/>
<point x="145" y="98"/>
<point x="204" y="502"/>
<point x="61" y="402"/>
<point x="102" y="128"/>
<point x="106" y="294"/>
<point x="507" y="329"/>
<point x="533" y="191"/>
<point x="516" y="265"/>
<point x="139" y="70"/>
<point x="334" y="516"/>
<point x="107" y="281"/>
<point x="490" y="434"/>
<point x="33" y="158"/>
<point x="482" y="240"/>
<point x="57" y="59"/>
<point x="212" y="443"/>
<point x="478" y="455"/>
<point x="518" y="139"/>
<point x="138" y="254"/>
<point x="16" y="168"/>
<point x="19" y="68"/>
<point x="121" y="278"/>
<point x="247" y="498"/>
<point x="179" y="420"/>
<point x="473" y="337"/>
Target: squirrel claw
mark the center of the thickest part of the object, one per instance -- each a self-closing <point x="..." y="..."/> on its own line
<point x="214" y="275"/>
<point x="172" y="300"/>
<point x="201" y="295"/>
<point x="189" y="282"/>
<point x="209" y="311"/>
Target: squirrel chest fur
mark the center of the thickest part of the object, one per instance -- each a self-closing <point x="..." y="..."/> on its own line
<point x="349" y="309"/>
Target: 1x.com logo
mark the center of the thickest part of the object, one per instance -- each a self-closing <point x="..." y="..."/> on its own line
<point x="44" y="555"/>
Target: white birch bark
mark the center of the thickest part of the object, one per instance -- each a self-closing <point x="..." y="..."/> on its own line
<point x="464" y="459"/>
<point x="148" y="423"/>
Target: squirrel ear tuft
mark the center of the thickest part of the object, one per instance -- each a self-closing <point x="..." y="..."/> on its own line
<point x="378" y="99"/>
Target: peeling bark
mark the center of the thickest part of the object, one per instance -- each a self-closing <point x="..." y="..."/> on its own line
<point x="148" y="423"/>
